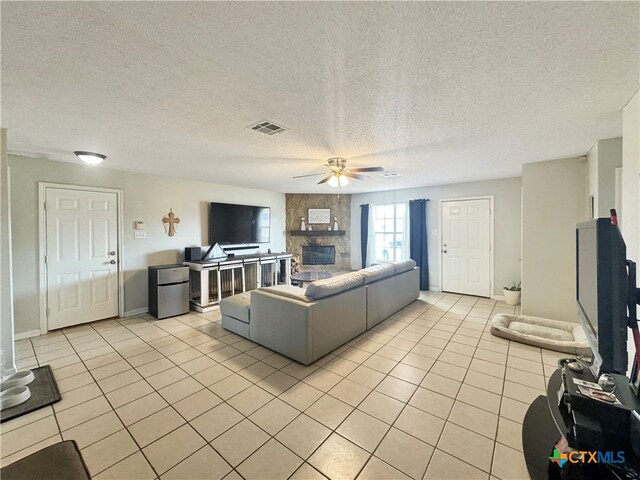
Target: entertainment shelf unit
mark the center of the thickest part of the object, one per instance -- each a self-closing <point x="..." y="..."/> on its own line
<point x="213" y="280"/>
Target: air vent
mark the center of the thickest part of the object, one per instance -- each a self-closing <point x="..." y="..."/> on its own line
<point x="268" y="128"/>
<point x="389" y="175"/>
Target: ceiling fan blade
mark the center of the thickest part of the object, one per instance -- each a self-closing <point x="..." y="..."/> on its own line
<point x="310" y="175"/>
<point x="355" y="175"/>
<point x="325" y="179"/>
<point x="367" y="169"/>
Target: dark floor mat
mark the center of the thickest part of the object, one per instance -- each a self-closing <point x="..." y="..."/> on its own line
<point x="60" y="461"/>
<point x="44" y="391"/>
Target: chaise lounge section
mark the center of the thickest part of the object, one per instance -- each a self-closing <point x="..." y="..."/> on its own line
<point x="306" y="324"/>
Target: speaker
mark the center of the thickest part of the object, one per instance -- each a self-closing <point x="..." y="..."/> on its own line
<point x="192" y="254"/>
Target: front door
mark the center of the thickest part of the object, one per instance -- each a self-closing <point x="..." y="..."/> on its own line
<point x="466" y="247"/>
<point x="81" y="257"/>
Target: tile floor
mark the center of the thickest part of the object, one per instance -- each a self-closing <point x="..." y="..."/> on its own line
<point x="428" y="394"/>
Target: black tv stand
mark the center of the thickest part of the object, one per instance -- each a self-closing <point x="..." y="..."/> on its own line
<point x="587" y="425"/>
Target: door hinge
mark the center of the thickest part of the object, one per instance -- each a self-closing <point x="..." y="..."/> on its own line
<point x="45" y="259"/>
<point x="45" y="206"/>
<point x="48" y="312"/>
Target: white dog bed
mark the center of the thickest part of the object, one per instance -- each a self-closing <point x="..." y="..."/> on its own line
<point x="541" y="332"/>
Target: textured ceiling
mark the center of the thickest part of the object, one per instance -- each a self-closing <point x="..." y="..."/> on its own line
<point x="439" y="92"/>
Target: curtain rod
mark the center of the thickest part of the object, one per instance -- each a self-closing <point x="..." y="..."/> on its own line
<point x="425" y="199"/>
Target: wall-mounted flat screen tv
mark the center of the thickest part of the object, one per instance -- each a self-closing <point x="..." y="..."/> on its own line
<point x="231" y="224"/>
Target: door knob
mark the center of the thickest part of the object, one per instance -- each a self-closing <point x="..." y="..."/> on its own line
<point x="112" y="262"/>
<point x="113" y="252"/>
<point x="444" y="251"/>
<point x="444" y="244"/>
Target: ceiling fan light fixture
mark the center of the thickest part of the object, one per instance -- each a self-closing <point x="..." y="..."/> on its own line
<point x="338" y="180"/>
<point x="90" y="158"/>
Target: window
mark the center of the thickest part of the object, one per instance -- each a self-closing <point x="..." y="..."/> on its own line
<point x="389" y="232"/>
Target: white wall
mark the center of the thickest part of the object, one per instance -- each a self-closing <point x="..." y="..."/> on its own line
<point x="506" y="194"/>
<point x="145" y="197"/>
<point x="553" y="201"/>
<point x="630" y="218"/>
<point x="603" y="159"/>
<point x="6" y="311"/>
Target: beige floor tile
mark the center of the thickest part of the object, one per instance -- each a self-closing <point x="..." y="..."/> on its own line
<point x="240" y="442"/>
<point x="181" y="389"/>
<point x="171" y="449"/>
<point x="250" y="400"/>
<point x="446" y="467"/>
<point x="513" y="409"/>
<point x="71" y="383"/>
<point x="381" y="407"/>
<point x="299" y="371"/>
<point x="323" y="380"/>
<point x="212" y="375"/>
<point x="484" y="382"/>
<point x="108" y="451"/>
<point x="525" y="378"/>
<point x="157" y="366"/>
<point x="432" y="402"/>
<point x="239" y="362"/>
<point x="396" y="388"/>
<point x="303" y="435"/>
<point x="132" y="467"/>
<point x="27" y="435"/>
<point x="408" y="373"/>
<point x="490" y="356"/>
<point x="525" y="365"/>
<point x="198" y="364"/>
<point x="509" y="463"/>
<point x="363" y="430"/>
<point x="404" y="452"/>
<point x="376" y="469"/>
<point x="510" y="433"/>
<point x="366" y="376"/>
<point x="119" y="380"/>
<point x="488" y="368"/>
<point x="143" y="358"/>
<point x="271" y="461"/>
<point x="81" y="413"/>
<point x="205" y="463"/>
<point x="25" y="452"/>
<point x="216" y="421"/>
<point x="420" y="424"/>
<point x="307" y="472"/>
<point x="94" y="430"/>
<point x="480" y="398"/>
<point x="185" y="356"/>
<point x="127" y="394"/>
<point x="329" y="411"/>
<point x="276" y="360"/>
<point x="274" y="416"/>
<point x="467" y="446"/>
<point x="153" y="427"/>
<point x="141" y="408"/>
<point x="230" y="386"/>
<point x="390" y="352"/>
<point x="68" y="371"/>
<point x="111" y="369"/>
<point x="277" y="382"/>
<point x="380" y="363"/>
<point x="301" y="396"/>
<point x="25" y="419"/>
<point x="442" y="385"/>
<point x="418" y="361"/>
<point x="350" y="392"/>
<point x="474" y="419"/>
<point x="197" y="404"/>
<point x="256" y="372"/>
<point x="77" y="396"/>
<point x="341" y="366"/>
<point x="337" y="457"/>
<point x="521" y="393"/>
<point x="448" y="370"/>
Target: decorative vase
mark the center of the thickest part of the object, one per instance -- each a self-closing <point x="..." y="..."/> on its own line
<point x="511" y="297"/>
<point x="303" y="225"/>
<point x="335" y="223"/>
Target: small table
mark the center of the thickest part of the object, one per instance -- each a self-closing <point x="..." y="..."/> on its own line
<point x="306" y="277"/>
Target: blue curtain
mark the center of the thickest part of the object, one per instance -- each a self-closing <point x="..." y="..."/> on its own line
<point x="364" y="232"/>
<point x="418" y="239"/>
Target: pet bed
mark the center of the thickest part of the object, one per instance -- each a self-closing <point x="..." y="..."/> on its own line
<point x="541" y="332"/>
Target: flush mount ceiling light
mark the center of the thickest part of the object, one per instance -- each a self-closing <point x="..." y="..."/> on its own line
<point x="90" y="158"/>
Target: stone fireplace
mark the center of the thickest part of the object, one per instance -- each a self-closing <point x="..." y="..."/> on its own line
<point x="320" y="237"/>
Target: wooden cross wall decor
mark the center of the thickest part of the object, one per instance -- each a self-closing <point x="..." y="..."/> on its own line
<point x="170" y="219"/>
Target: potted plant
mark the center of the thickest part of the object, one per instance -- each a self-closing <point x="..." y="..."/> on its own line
<point x="512" y="293"/>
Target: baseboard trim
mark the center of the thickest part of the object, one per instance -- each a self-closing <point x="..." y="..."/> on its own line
<point x="137" y="311"/>
<point x="29" y="334"/>
<point x="434" y="289"/>
<point x="498" y="297"/>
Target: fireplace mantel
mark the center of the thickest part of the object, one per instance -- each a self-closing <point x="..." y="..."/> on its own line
<point x="316" y="233"/>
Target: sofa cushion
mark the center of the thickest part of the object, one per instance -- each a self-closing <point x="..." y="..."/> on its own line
<point x="404" y="266"/>
<point x="289" y="291"/>
<point x="334" y="285"/>
<point x="237" y="306"/>
<point x="377" y="272"/>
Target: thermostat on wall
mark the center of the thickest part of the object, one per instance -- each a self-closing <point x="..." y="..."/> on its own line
<point x="139" y="225"/>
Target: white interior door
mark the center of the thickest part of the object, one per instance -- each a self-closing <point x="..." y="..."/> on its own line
<point x="81" y="256"/>
<point x="466" y="247"/>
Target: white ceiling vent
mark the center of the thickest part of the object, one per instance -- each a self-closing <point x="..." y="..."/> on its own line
<point x="268" y="128"/>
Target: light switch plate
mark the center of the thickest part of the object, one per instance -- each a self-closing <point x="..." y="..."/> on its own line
<point x="139" y="234"/>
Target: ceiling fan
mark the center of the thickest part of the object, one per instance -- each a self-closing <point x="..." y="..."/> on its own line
<point x="339" y="174"/>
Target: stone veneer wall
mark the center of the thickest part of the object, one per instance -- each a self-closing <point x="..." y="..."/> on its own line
<point x="297" y="206"/>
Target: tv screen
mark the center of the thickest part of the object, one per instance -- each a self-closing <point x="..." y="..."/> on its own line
<point x="602" y="293"/>
<point x="231" y="224"/>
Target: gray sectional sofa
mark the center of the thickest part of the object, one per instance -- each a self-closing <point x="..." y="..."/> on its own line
<point x="306" y="324"/>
